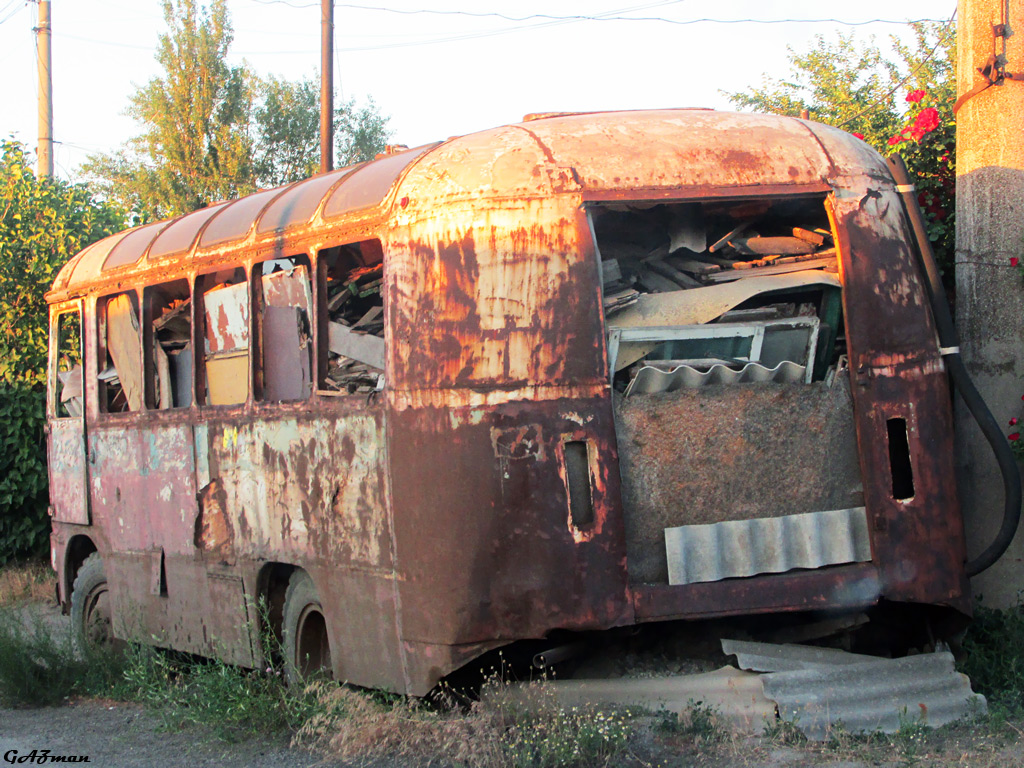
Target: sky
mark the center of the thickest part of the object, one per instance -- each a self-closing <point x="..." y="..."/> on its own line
<point x="434" y="74"/>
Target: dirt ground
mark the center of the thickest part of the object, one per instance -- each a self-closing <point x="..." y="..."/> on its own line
<point x="124" y="735"/>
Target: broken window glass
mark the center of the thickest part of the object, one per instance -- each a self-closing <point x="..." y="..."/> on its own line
<point x="225" y="336"/>
<point x="720" y="291"/>
<point x="170" y="307"/>
<point x="120" y="369"/>
<point x="352" y="303"/>
<point x="286" y="339"/>
<point x="68" y="392"/>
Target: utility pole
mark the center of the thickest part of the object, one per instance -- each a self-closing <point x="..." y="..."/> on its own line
<point x="326" y="85"/>
<point x="989" y="288"/>
<point x="45" y="151"/>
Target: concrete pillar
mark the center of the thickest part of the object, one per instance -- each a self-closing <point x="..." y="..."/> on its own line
<point x="990" y="292"/>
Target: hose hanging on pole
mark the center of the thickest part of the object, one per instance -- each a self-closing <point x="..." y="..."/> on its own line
<point x="950" y="345"/>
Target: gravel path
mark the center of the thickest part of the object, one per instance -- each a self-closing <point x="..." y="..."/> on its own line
<point x="125" y="736"/>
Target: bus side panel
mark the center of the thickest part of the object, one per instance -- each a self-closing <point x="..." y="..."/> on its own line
<point x="486" y="545"/>
<point x="307" y="489"/>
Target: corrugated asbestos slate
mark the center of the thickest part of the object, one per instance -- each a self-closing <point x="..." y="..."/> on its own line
<point x="874" y="696"/>
<point x="650" y="379"/>
<point x="715" y="551"/>
<point x="769" y="657"/>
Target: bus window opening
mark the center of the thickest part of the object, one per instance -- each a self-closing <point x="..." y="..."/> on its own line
<point x="353" y="305"/>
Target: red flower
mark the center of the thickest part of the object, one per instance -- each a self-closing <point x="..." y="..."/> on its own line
<point x="895" y="140"/>
<point x="1013" y="422"/>
<point x="1014" y="261"/>
<point x="859" y="135"/>
<point x="915" y="96"/>
<point x="927" y="121"/>
<point x="1014" y="437"/>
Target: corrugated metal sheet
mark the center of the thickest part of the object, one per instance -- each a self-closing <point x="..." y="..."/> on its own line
<point x="874" y="696"/>
<point x="701" y="553"/>
<point x="650" y="379"/>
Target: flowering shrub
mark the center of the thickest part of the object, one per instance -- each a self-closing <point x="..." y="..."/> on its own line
<point x="927" y="143"/>
<point x="1015" y="442"/>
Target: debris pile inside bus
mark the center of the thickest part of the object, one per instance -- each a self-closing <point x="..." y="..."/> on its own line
<point x="718" y="292"/>
<point x="355" y="309"/>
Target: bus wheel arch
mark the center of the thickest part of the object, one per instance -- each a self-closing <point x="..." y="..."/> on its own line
<point x="307" y="648"/>
<point x="77" y="551"/>
<point x="272" y="587"/>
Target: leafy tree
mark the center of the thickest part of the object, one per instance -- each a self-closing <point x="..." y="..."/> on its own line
<point x="359" y="133"/>
<point x="197" y="147"/>
<point x="287" y="127"/>
<point x="213" y="131"/>
<point x="43" y="222"/>
<point x="904" y="105"/>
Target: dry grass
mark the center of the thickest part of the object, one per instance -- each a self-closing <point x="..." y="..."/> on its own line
<point x="357" y="726"/>
<point x="496" y="732"/>
<point x="31" y="581"/>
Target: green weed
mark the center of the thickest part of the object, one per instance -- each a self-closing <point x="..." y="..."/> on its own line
<point x="699" y="723"/>
<point x="993" y="657"/>
<point x="39" y="667"/>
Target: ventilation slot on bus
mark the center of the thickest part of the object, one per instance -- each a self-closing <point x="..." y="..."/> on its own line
<point x="577" y="475"/>
<point x="899" y="460"/>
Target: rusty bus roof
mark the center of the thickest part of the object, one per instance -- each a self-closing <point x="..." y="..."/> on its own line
<point x="642" y="155"/>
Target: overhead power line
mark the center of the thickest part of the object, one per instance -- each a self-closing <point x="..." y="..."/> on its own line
<point x="13" y="13"/>
<point x="602" y="17"/>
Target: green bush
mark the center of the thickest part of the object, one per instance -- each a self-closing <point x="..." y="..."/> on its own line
<point x="24" y="524"/>
<point x="43" y="223"/>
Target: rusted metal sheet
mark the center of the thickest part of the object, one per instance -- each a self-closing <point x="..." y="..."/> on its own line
<point x="485" y="549"/>
<point x="457" y="324"/>
<point x="898" y="373"/>
<point x="844" y="587"/>
<point x="131" y="247"/>
<point x="180" y="236"/>
<point x="299" y="202"/>
<point x="65" y="456"/>
<point x="235" y="220"/>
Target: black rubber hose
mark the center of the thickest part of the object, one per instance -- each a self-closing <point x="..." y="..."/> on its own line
<point x="961" y="379"/>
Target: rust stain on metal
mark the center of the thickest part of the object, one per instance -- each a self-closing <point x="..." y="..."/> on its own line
<point x="213" y="527"/>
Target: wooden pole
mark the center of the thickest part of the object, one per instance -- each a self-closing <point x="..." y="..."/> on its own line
<point x="326" y="85"/>
<point x="43" y="60"/>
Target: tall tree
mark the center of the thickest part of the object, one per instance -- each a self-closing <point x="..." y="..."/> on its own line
<point x="902" y="103"/>
<point x="287" y="129"/>
<point x="43" y="222"/>
<point x="213" y="131"/>
<point x="197" y="146"/>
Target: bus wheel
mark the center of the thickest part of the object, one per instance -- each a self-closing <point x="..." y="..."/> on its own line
<point x="307" y="651"/>
<point x="90" y="608"/>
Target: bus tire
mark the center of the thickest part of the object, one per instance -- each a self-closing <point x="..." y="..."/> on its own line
<point x="307" y="649"/>
<point x="90" y="608"/>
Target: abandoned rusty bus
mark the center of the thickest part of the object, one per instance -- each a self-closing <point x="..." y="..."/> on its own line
<point x="584" y="372"/>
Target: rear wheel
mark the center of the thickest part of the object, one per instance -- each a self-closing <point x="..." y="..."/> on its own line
<point x="307" y="650"/>
<point x="90" y="608"/>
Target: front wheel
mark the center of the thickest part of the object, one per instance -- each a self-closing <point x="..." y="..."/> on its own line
<point x="90" y="608"/>
<point x="307" y="650"/>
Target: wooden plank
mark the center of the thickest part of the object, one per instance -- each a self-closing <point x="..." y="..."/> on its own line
<point x="359" y="346"/>
<point x="777" y="269"/>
